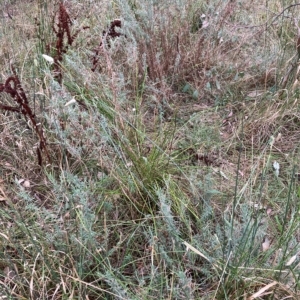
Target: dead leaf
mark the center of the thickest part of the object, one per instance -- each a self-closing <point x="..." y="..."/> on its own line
<point x="278" y="137"/>
<point x="230" y="114"/>
<point x="26" y="184"/>
<point x="263" y="290"/>
<point x="254" y="94"/>
<point x="291" y="260"/>
<point x="265" y="244"/>
<point x="269" y="211"/>
<point x="70" y="102"/>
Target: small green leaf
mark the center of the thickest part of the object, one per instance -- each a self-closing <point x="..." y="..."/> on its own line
<point x="208" y="86"/>
<point x="195" y="94"/>
<point x="186" y="88"/>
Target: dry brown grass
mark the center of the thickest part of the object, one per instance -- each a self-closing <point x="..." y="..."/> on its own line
<point x="164" y="134"/>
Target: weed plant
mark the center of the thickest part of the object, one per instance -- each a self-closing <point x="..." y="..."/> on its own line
<point x="149" y="150"/>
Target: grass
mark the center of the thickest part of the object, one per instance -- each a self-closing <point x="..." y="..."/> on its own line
<point x="141" y="162"/>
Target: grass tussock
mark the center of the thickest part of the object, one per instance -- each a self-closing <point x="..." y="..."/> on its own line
<point x="149" y="151"/>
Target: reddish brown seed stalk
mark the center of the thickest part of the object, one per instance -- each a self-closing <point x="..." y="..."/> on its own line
<point x="13" y="87"/>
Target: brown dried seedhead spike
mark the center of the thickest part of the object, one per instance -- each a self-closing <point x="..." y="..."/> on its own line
<point x="65" y="22"/>
<point x="13" y="87"/>
<point x="64" y="38"/>
<point x="107" y="35"/>
<point x="112" y="29"/>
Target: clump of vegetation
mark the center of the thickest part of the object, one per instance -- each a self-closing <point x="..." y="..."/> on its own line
<point x="171" y="154"/>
